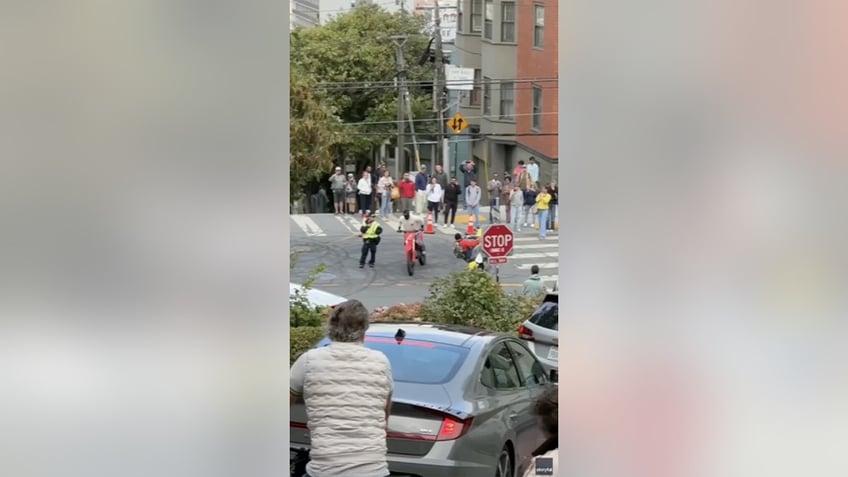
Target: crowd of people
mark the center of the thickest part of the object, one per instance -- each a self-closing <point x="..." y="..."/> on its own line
<point x="524" y="201"/>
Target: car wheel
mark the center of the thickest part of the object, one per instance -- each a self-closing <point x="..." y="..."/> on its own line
<point x="504" y="467"/>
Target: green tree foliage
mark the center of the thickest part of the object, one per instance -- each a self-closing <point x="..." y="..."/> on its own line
<point x="315" y="133"/>
<point x="354" y="65"/>
<point x="473" y="297"/>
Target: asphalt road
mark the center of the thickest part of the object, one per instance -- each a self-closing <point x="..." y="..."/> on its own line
<point x="332" y="241"/>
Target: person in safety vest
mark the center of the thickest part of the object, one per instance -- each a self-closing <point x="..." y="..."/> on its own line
<point x="371" y="231"/>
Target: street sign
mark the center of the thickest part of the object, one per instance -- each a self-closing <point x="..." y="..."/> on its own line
<point x="498" y="260"/>
<point x="457" y="123"/>
<point x="497" y="241"/>
<point x="458" y="78"/>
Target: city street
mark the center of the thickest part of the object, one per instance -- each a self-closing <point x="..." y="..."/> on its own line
<point x="333" y="241"/>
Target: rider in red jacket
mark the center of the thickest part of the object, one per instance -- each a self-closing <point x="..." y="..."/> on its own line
<point x="467" y="245"/>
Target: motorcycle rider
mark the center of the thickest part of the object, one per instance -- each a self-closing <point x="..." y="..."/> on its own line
<point x="466" y="245"/>
<point x="411" y="224"/>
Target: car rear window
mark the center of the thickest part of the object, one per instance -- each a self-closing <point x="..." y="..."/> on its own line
<point x="420" y="362"/>
<point x="546" y="316"/>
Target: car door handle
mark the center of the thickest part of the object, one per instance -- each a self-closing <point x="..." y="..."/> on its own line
<point x="513" y="416"/>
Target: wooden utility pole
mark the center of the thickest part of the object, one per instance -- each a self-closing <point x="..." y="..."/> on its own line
<point x="400" y="80"/>
<point x="439" y="87"/>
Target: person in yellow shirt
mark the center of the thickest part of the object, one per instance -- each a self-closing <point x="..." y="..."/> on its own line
<point x="542" y="201"/>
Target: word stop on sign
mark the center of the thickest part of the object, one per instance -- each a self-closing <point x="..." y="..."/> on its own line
<point x="497" y="244"/>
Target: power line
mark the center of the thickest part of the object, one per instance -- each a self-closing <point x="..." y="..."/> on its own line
<point x="490" y="116"/>
<point x="391" y="83"/>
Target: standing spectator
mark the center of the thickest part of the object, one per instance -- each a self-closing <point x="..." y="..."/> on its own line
<point x="516" y="202"/>
<point x="384" y="189"/>
<point x="434" y="198"/>
<point x="337" y="185"/>
<point x="370" y="231"/>
<point x="469" y="173"/>
<point x="407" y="192"/>
<point x="533" y="171"/>
<point x="452" y="193"/>
<point x="529" y="204"/>
<point x="364" y="377"/>
<point x="441" y="176"/>
<point x="506" y="191"/>
<point x="494" y="188"/>
<point x="533" y="286"/>
<point x="365" y="190"/>
<point x="552" y="206"/>
<point x="472" y="201"/>
<point x="546" y="409"/>
<point x="350" y="193"/>
<point x="542" y="201"/>
<point x="421" y="181"/>
<point x="517" y="172"/>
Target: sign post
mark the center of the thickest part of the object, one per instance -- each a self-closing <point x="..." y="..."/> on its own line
<point x="498" y="241"/>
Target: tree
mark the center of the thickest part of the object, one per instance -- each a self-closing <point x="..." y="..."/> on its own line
<point x="315" y="132"/>
<point x="354" y="64"/>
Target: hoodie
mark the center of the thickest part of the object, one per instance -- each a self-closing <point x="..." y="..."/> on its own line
<point x="533" y="286"/>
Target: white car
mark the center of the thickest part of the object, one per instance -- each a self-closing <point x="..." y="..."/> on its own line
<point x="316" y="297"/>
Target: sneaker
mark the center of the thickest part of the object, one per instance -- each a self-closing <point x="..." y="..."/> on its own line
<point x="371" y="265"/>
<point x="361" y="265"/>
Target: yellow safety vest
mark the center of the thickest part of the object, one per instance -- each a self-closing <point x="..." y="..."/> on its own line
<point x="371" y="232"/>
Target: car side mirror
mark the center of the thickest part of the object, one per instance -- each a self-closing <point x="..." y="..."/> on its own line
<point x="554" y="376"/>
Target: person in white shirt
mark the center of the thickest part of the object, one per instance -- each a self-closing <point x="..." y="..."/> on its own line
<point x="363" y="187"/>
<point x="533" y="171"/>
<point x="384" y="190"/>
<point x="434" y="198"/>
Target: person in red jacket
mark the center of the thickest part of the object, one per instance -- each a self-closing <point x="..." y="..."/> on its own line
<point x="466" y="245"/>
<point x="406" y="187"/>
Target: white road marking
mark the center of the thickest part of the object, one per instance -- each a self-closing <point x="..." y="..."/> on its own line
<point x="308" y="226"/>
<point x="347" y="224"/>
<point x="526" y="266"/>
<point x="535" y="238"/>
<point x="524" y="256"/>
<point x="552" y="245"/>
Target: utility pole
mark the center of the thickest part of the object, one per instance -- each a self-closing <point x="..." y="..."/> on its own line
<point x="400" y="80"/>
<point x="439" y="87"/>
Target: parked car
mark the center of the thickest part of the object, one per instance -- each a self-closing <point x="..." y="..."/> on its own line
<point x="316" y="297"/>
<point x="462" y="401"/>
<point x="540" y="332"/>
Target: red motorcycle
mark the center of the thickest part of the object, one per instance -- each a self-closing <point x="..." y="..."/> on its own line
<point x="413" y="247"/>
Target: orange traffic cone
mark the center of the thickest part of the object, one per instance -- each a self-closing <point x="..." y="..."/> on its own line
<point x="429" y="229"/>
<point x="469" y="230"/>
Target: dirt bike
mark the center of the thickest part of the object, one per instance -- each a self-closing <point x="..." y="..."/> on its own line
<point x="413" y="248"/>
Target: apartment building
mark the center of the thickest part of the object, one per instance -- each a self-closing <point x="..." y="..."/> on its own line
<point x="309" y="13"/>
<point x="512" y="47"/>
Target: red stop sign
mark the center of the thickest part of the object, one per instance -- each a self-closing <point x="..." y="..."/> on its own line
<point x="498" y="241"/>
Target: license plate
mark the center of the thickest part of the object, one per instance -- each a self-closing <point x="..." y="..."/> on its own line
<point x="553" y="354"/>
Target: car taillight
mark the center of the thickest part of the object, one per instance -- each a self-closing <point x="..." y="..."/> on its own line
<point x="525" y="333"/>
<point x="299" y="425"/>
<point x="452" y="428"/>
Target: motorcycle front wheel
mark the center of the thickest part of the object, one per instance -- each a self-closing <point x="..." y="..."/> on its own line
<point x="410" y="264"/>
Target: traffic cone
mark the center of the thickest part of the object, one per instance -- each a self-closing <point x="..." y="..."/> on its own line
<point x="429" y="229"/>
<point x="469" y="230"/>
<point x="480" y="232"/>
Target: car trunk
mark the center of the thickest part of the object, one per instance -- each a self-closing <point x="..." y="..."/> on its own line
<point x="421" y="415"/>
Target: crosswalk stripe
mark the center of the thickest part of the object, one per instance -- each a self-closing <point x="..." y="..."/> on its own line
<point x="534" y="238"/>
<point x="524" y="256"/>
<point x="527" y="266"/>
<point x="347" y="224"/>
<point x="308" y="225"/>
<point x="539" y="245"/>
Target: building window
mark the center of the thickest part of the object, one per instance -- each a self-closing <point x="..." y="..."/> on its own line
<point x="539" y="26"/>
<point x="474" y="100"/>
<point x="476" y="15"/>
<point x="507" y="100"/>
<point x="508" y="22"/>
<point x="537" y="108"/>
<point x="487" y="97"/>
<point x="459" y="17"/>
<point x="489" y="19"/>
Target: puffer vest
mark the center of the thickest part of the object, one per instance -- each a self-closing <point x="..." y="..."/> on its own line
<point x="345" y="390"/>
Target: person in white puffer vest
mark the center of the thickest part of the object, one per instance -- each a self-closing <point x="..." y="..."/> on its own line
<point x="348" y="434"/>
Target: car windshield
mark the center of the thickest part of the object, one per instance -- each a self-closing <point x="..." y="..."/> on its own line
<point x="420" y="362"/>
<point x="546" y="316"/>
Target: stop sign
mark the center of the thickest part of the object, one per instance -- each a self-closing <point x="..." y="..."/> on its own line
<point x="497" y="241"/>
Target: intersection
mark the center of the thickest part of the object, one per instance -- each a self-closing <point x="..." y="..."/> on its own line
<point x="333" y="241"/>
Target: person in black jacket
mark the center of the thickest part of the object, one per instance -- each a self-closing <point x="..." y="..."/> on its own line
<point x="552" y="206"/>
<point x="529" y="202"/>
<point x="452" y="193"/>
<point x="371" y="231"/>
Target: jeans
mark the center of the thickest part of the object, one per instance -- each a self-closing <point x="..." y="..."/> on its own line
<point x="386" y="206"/>
<point x="450" y="209"/>
<point x="493" y="206"/>
<point x="527" y="215"/>
<point x="474" y="209"/>
<point x="552" y="216"/>
<point x="434" y="208"/>
<point x="364" y="202"/>
<point x="516" y="219"/>
<point x="543" y="221"/>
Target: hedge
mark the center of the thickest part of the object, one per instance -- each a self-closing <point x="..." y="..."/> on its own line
<point x="303" y="338"/>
